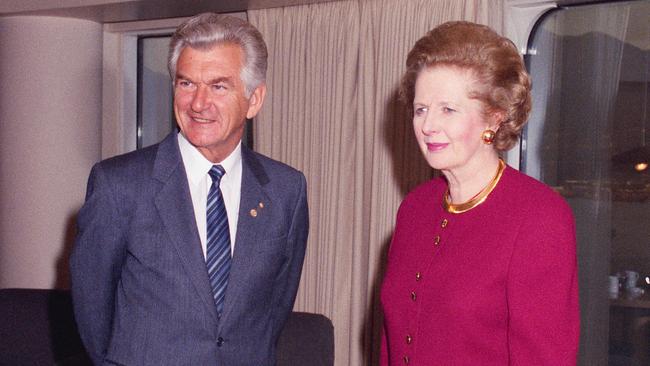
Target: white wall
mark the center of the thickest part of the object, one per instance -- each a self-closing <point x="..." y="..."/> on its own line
<point x="50" y="135"/>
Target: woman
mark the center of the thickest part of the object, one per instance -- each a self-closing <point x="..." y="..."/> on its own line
<point x="482" y="265"/>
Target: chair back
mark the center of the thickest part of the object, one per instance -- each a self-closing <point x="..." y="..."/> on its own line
<point x="37" y="327"/>
<point x="307" y="339"/>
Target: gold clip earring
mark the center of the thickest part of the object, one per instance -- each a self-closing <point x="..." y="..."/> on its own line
<point x="488" y="136"/>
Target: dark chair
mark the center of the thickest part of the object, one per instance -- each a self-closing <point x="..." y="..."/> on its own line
<point x="37" y="328"/>
<point x="307" y="339"/>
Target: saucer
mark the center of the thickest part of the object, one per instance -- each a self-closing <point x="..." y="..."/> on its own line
<point x="634" y="291"/>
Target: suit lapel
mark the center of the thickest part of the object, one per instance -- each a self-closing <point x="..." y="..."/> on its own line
<point x="254" y="178"/>
<point x="174" y="205"/>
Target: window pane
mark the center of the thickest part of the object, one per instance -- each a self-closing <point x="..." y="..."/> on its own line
<point x="588" y="137"/>
<point x="155" y="112"/>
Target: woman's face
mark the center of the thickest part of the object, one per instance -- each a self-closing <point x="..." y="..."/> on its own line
<point x="447" y="123"/>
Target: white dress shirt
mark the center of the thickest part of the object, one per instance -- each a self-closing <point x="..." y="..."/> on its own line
<point x="197" y="168"/>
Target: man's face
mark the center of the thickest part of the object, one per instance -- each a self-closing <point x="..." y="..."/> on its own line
<point x="209" y="99"/>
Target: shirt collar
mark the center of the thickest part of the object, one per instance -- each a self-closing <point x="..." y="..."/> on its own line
<point x="197" y="166"/>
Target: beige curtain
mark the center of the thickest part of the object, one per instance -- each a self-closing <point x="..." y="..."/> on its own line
<point x="331" y="111"/>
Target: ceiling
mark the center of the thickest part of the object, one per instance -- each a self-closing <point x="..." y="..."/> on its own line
<point x="110" y="11"/>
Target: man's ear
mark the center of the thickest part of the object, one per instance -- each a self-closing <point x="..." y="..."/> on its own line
<point x="255" y="101"/>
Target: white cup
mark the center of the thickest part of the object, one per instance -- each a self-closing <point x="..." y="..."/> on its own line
<point x="613" y="286"/>
<point x="631" y="279"/>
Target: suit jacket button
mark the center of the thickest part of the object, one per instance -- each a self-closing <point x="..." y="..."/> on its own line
<point x="219" y="342"/>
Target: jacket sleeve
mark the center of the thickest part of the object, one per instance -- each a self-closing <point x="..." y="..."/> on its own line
<point x="296" y="245"/>
<point x="542" y="290"/>
<point x="96" y="263"/>
<point x="383" y="353"/>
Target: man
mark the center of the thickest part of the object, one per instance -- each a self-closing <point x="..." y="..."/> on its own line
<point x="153" y="279"/>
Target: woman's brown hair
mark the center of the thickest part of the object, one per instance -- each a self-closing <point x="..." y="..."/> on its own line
<point x="503" y="83"/>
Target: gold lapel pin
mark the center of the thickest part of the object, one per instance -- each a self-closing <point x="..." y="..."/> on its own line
<point x="254" y="211"/>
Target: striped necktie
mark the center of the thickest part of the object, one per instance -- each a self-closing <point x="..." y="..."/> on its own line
<point x="218" y="258"/>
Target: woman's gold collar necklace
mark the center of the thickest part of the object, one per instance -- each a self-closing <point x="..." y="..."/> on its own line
<point x="479" y="198"/>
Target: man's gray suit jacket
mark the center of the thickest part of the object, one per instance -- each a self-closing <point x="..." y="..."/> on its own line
<point x="139" y="280"/>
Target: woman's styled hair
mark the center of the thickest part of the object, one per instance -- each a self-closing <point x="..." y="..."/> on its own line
<point x="207" y="30"/>
<point x="502" y="83"/>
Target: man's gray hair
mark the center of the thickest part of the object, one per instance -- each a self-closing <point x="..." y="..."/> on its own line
<point x="207" y="30"/>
